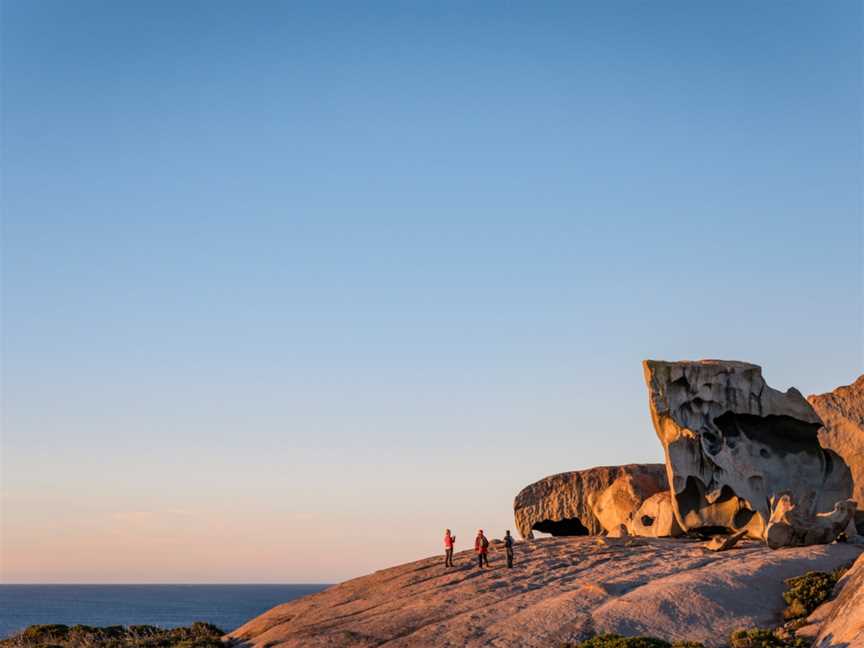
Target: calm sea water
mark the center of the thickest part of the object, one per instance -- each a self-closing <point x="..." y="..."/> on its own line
<point x="227" y="606"/>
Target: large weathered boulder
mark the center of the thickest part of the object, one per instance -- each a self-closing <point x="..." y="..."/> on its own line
<point x="842" y="412"/>
<point x="587" y="502"/>
<point x="733" y="444"/>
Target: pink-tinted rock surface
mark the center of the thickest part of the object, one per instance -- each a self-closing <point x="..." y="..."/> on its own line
<point x="844" y="620"/>
<point x="839" y="623"/>
<point x="562" y="589"/>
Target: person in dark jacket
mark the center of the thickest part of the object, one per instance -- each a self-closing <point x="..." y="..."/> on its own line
<point x="508" y="547"/>
<point x="449" y="541"/>
<point x="481" y="546"/>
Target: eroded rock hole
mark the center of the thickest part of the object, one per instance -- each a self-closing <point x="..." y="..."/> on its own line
<point x="782" y="434"/>
<point x="682" y="382"/>
<point x="693" y="500"/>
<point x="565" y="527"/>
<point x="711" y="442"/>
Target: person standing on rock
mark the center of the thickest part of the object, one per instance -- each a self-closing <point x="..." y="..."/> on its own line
<point x="481" y="546"/>
<point x="508" y="547"/>
<point x="449" y="541"/>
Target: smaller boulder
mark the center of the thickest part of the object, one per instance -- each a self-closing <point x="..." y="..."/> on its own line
<point x="722" y="543"/>
<point x="792" y="526"/>
<point x="587" y="502"/>
<point x="656" y="518"/>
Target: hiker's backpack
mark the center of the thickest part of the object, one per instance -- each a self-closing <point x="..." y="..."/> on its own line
<point x="484" y="542"/>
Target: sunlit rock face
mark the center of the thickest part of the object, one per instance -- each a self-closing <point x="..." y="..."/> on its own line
<point x="587" y="502"/>
<point x="842" y="412"/>
<point x="733" y="445"/>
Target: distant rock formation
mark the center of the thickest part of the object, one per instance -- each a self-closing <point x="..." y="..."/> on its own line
<point x="591" y="502"/>
<point x="734" y="446"/>
<point x="739" y="456"/>
<point x="842" y="412"/>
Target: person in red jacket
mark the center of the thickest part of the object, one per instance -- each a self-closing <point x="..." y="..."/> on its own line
<point x="449" y="541"/>
<point x="481" y="546"/>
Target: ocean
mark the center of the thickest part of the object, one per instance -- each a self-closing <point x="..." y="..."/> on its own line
<point x="227" y="606"/>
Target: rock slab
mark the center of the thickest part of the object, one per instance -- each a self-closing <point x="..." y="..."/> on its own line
<point x="561" y="589"/>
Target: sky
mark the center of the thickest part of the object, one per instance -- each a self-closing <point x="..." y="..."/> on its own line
<point x="288" y="288"/>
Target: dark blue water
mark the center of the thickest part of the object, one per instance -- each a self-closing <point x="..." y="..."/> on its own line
<point x="227" y="606"/>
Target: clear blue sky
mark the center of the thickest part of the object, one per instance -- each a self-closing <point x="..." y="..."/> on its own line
<point x="297" y="278"/>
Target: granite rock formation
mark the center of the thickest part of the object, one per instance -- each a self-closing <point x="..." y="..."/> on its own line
<point x="587" y="502"/>
<point x="733" y="445"/>
<point x="842" y="413"/>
